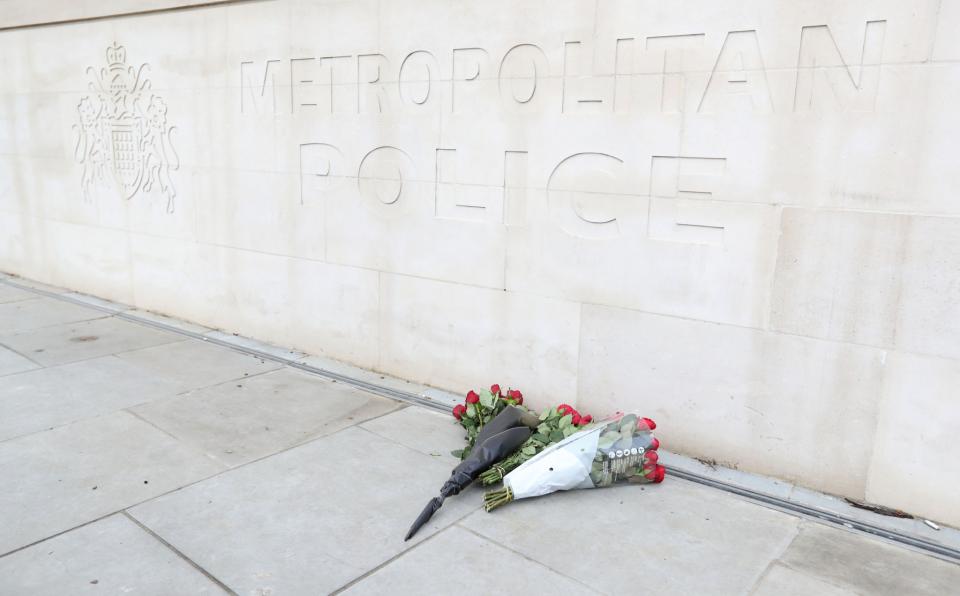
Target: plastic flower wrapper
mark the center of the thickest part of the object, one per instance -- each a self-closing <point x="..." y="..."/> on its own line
<point x="617" y="450"/>
<point x="556" y="424"/>
<point x="498" y="438"/>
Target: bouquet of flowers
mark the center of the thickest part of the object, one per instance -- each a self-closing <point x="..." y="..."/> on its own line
<point x="556" y="424"/>
<point x="479" y="409"/>
<point x="621" y="449"/>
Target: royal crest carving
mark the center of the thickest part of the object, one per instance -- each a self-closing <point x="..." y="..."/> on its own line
<point x="124" y="140"/>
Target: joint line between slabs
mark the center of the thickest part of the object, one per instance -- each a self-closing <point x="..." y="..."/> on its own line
<point x="527" y="557"/>
<point x="180" y="554"/>
<point x="390" y="560"/>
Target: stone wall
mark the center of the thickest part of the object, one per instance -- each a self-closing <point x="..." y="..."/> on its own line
<point x="743" y="223"/>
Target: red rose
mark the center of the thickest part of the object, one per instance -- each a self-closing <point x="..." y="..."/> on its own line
<point x="459" y="410"/>
<point x="515" y="395"/>
<point x="646" y="424"/>
<point x="651" y="456"/>
<point x="472" y="397"/>
<point x="564" y="409"/>
<point x="495" y="389"/>
<point x="659" y="474"/>
<point x="586" y="419"/>
<point x="654" y="444"/>
<point x="576" y="419"/>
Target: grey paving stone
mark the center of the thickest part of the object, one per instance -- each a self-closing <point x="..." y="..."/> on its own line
<point x="239" y="421"/>
<point x="673" y="538"/>
<point x="459" y="562"/>
<point x="431" y="433"/>
<point x="11" y="362"/>
<point x="12" y="294"/>
<point x="308" y="520"/>
<point x="25" y="315"/>
<point x="49" y="397"/>
<point x="192" y="364"/>
<point x="73" y="342"/>
<point x="783" y="581"/>
<point x="866" y="565"/>
<point x="59" y="479"/>
<point x="110" y="556"/>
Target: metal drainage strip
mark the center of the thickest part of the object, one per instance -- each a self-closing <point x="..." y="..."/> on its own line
<point x="775" y="502"/>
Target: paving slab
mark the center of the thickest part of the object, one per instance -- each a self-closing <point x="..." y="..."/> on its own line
<point x="458" y="561"/>
<point x="24" y="315"/>
<point x="45" y="398"/>
<point x="59" y="479"/>
<point x="431" y="433"/>
<point x="110" y="556"/>
<point x="11" y="362"/>
<point x="193" y="364"/>
<point x="673" y="538"/>
<point x="783" y="581"/>
<point x="12" y="294"/>
<point x="866" y="565"/>
<point x="243" y="420"/>
<point x="308" y="520"/>
<point x="72" y="342"/>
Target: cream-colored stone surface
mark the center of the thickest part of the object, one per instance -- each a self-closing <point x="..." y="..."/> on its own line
<point x="806" y="408"/>
<point x="916" y="460"/>
<point x="743" y="222"/>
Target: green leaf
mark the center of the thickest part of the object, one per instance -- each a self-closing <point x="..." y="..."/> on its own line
<point x="544" y="414"/>
<point x="566" y="421"/>
<point x="471" y="411"/>
<point x="457" y="453"/>
<point x="606" y="442"/>
<point x="486" y="398"/>
<point x="540" y="437"/>
<point x="544" y="429"/>
<point x="569" y="430"/>
<point x="556" y="436"/>
<point x="529" y="450"/>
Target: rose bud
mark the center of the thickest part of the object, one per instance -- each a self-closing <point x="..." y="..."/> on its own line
<point x="659" y="474"/>
<point x="651" y="456"/>
<point x="654" y="444"/>
<point x="495" y="389"/>
<point x="646" y="424"/>
<point x="472" y="397"/>
<point x="576" y="419"/>
<point x="586" y="419"/>
<point x="459" y="410"/>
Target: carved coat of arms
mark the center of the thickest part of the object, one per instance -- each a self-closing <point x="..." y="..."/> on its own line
<point x="124" y="141"/>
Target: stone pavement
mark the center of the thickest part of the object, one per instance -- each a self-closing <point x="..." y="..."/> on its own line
<point x="136" y="459"/>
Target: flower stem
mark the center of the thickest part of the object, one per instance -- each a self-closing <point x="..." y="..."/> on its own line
<point x="496" y="498"/>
